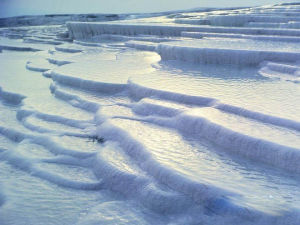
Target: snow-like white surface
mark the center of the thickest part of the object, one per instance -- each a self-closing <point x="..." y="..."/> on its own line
<point x="222" y="52"/>
<point x="241" y="36"/>
<point x="86" y="30"/>
<point x="155" y="120"/>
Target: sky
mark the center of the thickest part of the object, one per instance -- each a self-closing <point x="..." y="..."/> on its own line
<point x="38" y="7"/>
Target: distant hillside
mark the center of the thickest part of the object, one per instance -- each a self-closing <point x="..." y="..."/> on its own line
<point x="56" y="19"/>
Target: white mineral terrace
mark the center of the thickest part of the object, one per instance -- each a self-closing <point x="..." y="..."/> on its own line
<point x="178" y="118"/>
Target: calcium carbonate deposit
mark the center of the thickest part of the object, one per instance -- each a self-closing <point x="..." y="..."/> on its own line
<point x="178" y="118"/>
